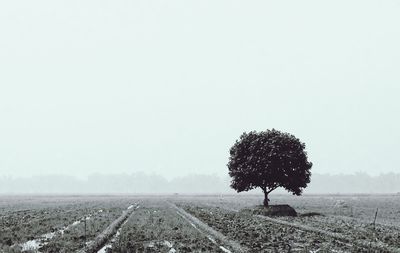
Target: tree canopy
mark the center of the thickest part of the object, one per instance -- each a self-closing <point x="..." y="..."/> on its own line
<point x="268" y="160"/>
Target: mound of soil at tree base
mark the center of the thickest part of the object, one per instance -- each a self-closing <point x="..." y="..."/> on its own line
<point x="310" y="214"/>
<point x="272" y="210"/>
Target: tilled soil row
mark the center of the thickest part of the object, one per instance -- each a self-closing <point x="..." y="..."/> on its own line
<point x="28" y="225"/>
<point x="262" y="235"/>
<point x="379" y="236"/>
<point x="104" y="236"/>
<point x="216" y="237"/>
<point x="74" y="239"/>
<point x="156" y="227"/>
<point x="367" y="245"/>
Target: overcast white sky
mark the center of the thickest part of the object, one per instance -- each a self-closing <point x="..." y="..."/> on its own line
<point x="168" y="86"/>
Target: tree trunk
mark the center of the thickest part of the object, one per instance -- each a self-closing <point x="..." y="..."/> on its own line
<point x="266" y="199"/>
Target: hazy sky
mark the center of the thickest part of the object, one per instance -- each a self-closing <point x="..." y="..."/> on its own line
<point x="168" y="86"/>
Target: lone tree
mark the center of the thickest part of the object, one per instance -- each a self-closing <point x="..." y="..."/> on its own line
<point x="269" y="159"/>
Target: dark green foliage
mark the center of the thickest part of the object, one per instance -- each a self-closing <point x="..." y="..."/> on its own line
<point x="269" y="159"/>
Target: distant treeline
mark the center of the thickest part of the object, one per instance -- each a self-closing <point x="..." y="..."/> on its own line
<point x="142" y="183"/>
<point x="354" y="183"/>
<point x="115" y="183"/>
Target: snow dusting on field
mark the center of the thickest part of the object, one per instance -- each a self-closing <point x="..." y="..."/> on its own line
<point x="76" y="223"/>
<point x="31" y="245"/>
<point x="225" y="249"/>
<point x="35" y="244"/>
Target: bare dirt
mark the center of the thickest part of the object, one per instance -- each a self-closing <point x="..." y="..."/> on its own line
<point x="156" y="227"/>
<point x="213" y="223"/>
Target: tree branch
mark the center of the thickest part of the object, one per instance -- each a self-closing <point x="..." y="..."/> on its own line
<point x="271" y="189"/>
<point x="264" y="188"/>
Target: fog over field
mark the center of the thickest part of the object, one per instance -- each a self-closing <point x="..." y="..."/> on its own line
<point x="95" y="90"/>
<point x="223" y="126"/>
<point x="141" y="183"/>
